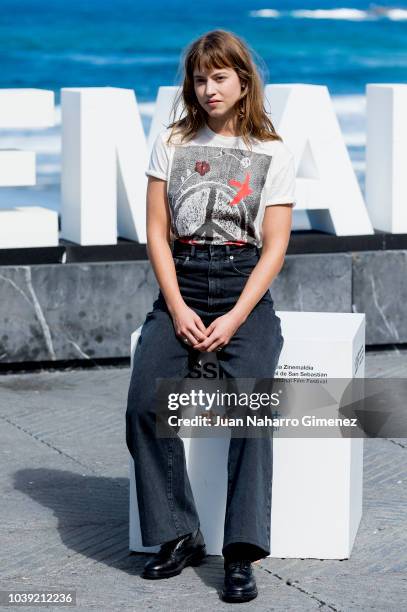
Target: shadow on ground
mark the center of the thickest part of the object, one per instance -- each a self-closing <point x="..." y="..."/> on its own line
<point x="92" y="514"/>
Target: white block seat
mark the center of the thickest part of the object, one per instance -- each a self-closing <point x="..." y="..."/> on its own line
<point x="317" y="482"/>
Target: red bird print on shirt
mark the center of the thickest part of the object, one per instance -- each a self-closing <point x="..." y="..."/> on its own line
<point x="244" y="189"/>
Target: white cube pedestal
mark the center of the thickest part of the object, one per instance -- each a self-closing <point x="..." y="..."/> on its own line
<point x="317" y="482"/>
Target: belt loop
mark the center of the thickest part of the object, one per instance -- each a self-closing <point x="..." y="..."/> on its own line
<point x="193" y="248"/>
<point x="227" y="249"/>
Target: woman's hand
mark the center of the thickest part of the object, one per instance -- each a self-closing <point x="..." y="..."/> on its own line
<point x="219" y="332"/>
<point x="188" y="324"/>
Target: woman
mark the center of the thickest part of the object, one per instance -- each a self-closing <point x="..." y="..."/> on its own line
<point x="221" y="185"/>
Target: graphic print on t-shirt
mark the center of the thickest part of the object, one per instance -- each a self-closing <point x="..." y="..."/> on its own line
<point x="215" y="193"/>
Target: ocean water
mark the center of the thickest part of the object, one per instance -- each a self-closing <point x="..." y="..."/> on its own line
<point x="52" y="44"/>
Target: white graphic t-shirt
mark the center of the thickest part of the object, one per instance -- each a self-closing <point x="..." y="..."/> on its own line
<point x="218" y="189"/>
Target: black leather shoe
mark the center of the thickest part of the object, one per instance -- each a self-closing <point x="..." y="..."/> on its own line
<point x="175" y="555"/>
<point x="240" y="583"/>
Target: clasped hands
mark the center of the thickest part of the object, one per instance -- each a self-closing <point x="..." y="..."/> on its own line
<point x="191" y="329"/>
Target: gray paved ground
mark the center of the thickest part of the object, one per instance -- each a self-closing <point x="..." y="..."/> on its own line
<point x="64" y="509"/>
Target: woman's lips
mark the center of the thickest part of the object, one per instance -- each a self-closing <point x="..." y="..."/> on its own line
<point x="212" y="102"/>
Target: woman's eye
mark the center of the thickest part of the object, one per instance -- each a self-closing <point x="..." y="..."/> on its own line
<point x="203" y="80"/>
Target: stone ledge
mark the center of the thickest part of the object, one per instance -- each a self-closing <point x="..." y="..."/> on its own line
<point x="53" y="312"/>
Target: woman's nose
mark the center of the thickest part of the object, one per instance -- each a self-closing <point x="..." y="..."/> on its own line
<point x="210" y="88"/>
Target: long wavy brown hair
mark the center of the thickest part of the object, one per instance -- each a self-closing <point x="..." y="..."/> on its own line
<point x="220" y="49"/>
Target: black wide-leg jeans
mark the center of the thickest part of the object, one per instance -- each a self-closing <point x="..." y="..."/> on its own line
<point x="211" y="279"/>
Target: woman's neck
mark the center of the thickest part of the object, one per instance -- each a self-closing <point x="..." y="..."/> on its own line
<point x="223" y="128"/>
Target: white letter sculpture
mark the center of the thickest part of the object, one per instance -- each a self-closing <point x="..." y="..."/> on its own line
<point x="25" y="226"/>
<point x="386" y="155"/>
<point x="326" y="186"/>
<point x="104" y="158"/>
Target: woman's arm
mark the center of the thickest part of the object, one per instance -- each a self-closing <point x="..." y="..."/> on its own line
<point x="187" y="323"/>
<point x="276" y="231"/>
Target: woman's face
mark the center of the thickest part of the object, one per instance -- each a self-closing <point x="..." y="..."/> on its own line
<point x="217" y="91"/>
